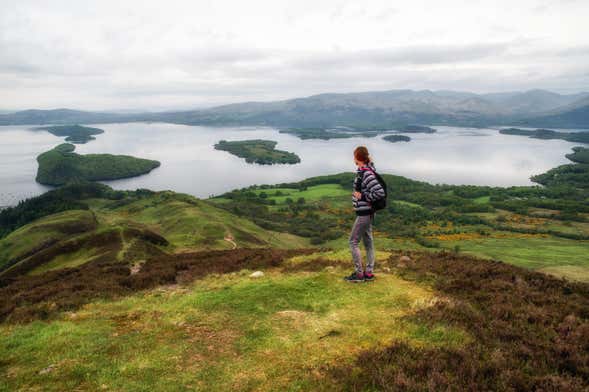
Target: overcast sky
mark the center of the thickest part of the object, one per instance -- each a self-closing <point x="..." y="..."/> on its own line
<point x="105" y="55"/>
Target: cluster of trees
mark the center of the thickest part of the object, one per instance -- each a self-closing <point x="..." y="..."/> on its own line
<point x="258" y="151"/>
<point x="579" y="155"/>
<point x="397" y="138"/>
<point x="61" y="165"/>
<point x="75" y="133"/>
<point x="575" y="137"/>
<point x="573" y="176"/>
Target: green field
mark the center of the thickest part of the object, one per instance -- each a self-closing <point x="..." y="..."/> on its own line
<point x="558" y="256"/>
<point x="313" y="193"/>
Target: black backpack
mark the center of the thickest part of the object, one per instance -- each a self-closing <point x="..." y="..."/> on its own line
<point x="380" y="204"/>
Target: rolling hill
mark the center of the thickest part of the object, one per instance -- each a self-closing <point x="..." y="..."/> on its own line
<point x="370" y="109"/>
<point x="143" y="290"/>
<point x="128" y="227"/>
<point x="571" y="116"/>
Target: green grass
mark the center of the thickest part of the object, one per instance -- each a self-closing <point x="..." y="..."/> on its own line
<point x="406" y="203"/>
<point x="226" y="333"/>
<point x="311" y="194"/>
<point x="52" y="227"/>
<point x="68" y="260"/>
<point x="189" y="224"/>
<point x="193" y="224"/>
<point x="482" y="200"/>
<point x="559" y="256"/>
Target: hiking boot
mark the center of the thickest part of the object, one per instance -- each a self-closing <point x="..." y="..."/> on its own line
<point x="355" y="277"/>
<point x="368" y="276"/>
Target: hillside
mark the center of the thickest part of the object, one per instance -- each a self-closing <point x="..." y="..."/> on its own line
<point x="363" y="109"/>
<point x="59" y="116"/>
<point x="198" y="321"/>
<point x="576" y="117"/>
<point x="133" y="290"/>
<point x="542" y="228"/>
<point x="61" y="165"/>
<point x="125" y="226"/>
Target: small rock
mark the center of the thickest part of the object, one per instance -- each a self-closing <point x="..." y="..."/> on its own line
<point x="48" y="369"/>
<point x="135" y="268"/>
<point x="405" y="259"/>
<point x="386" y="269"/>
<point x="257" y="274"/>
<point x="329" y="268"/>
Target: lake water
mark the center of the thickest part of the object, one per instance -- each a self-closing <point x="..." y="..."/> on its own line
<point x="191" y="165"/>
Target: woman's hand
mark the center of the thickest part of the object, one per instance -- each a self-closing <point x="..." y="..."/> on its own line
<point x="357" y="195"/>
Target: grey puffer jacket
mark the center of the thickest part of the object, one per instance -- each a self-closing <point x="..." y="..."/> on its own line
<point x="366" y="183"/>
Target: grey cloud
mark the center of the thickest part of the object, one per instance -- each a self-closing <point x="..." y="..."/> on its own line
<point x="125" y="55"/>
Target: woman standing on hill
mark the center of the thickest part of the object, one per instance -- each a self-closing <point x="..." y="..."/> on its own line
<point x="367" y="189"/>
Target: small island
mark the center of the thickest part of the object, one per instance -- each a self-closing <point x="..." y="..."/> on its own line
<point x="75" y="133"/>
<point x="548" y="134"/>
<point x="416" y="129"/>
<point x="396" y="138"/>
<point x="258" y="151"/>
<point x="341" y="132"/>
<point x="62" y="165"/>
<point x="328" y="133"/>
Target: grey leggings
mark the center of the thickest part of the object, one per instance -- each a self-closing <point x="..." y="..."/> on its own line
<point x="362" y="230"/>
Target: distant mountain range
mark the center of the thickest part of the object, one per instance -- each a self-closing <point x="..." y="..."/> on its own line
<point x="536" y="108"/>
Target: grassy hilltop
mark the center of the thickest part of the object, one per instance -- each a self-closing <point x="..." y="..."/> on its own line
<point x="135" y="290"/>
<point x="61" y="165"/>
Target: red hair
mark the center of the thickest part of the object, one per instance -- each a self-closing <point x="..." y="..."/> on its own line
<point x="361" y="154"/>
